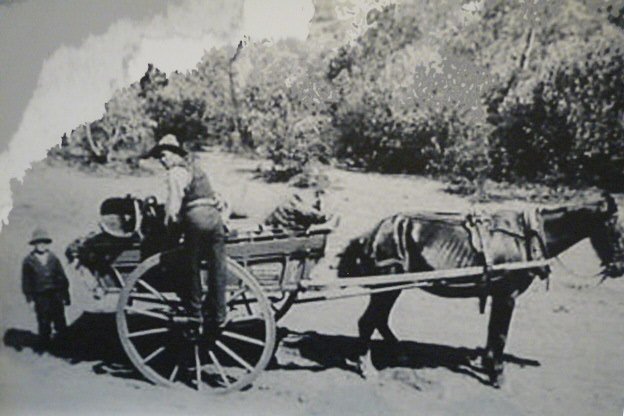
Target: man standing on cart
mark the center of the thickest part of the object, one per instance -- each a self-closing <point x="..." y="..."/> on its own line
<point x="191" y="202"/>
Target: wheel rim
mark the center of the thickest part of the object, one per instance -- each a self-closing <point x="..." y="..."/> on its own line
<point x="170" y="348"/>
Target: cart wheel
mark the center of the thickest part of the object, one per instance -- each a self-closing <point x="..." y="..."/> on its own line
<point x="170" y="347"/>
<point x="282" y="303"/>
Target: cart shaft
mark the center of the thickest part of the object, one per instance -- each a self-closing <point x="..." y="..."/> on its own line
<point x="435" y="276"/>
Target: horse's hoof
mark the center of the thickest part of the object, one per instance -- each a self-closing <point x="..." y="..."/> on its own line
<point x="366" y="369"/>
<point x="497" y="380"/>
<point x="369" y="373"/>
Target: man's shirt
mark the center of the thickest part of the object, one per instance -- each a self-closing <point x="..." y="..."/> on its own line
<point x="178" y="179"/>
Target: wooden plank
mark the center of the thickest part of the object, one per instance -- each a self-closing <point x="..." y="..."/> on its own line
<point x="422" y="276"/>
<point x="313" y="245"/>
<point x="248" y="246"/>
<point x="238" y="236"/>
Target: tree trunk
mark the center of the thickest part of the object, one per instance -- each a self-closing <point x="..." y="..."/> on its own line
<point x="244" y="136"/>
<point x="523" y="64"/>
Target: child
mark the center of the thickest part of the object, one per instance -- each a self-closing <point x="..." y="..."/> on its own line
<point x="45" y="283"/>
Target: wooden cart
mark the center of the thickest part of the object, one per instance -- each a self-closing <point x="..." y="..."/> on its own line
<point x="265" y="270"/>
<point x="268" y="271"/>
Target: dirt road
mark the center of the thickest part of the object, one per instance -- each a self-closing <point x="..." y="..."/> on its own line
<point x="565" y="354"/>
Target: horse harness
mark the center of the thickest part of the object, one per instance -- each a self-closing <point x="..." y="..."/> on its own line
<point x="481" y="225"/>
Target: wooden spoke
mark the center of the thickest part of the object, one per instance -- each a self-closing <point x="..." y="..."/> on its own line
<point x="220" y="369"/>
<point x="232" y="354"/>
<point x="245" y="319"/>
<point x="153" y="354"/>
<point x="198" y="368"/>
<point x="147" y="332"/>
<point x="147" y="314"/>
<point x="151" y="314"/>
<point x="245" y="301"/>
<point x="174" y="373"/>
<point x="152" y="290"/>
<point x="148" y="297"/>
<point x="120" y="279"/>
<point x="237" y="294"/>
<point x="249" y="311"/>
<point x="243" y="338"/>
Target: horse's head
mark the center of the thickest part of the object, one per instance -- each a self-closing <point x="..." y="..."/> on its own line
<point x="355" y="259"/>
<point x="607" y="238"/>
<point x="566" y="225"/>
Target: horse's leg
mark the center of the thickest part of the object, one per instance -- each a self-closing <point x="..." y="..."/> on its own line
<point x="383" y="320"/>
<point x="384" y="308"/>
<point x="503" y="304"/>
<point x="374" y="317"/>
<point x="366" y="327"/>
<point x="498" y="329"/>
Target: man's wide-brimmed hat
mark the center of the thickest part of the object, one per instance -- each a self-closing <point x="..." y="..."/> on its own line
<point x="40" y="235"/>
<point x="168" y="142"/>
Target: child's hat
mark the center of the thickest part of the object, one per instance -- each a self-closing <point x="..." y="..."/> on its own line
<point x="40" y="235"/>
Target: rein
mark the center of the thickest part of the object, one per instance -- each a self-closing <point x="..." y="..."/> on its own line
<point x="575" y="274"/>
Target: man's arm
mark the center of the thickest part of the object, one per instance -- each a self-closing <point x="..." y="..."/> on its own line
<point x="178" y="179"/>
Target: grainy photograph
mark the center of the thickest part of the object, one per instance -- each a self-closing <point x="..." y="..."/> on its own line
<point x="311" y="207"/>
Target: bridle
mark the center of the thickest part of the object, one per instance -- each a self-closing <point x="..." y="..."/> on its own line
<point x="535" y="230"/>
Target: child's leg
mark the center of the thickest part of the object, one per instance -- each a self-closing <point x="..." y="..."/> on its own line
<point x="42" y="309"/>
<point x="58" y="314"/>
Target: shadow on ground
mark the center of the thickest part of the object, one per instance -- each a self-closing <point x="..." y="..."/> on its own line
<point x="322" y="352"/>
<point x="91" y="338"/>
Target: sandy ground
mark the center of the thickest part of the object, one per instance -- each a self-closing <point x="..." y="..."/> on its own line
<point x="565" y="355"/>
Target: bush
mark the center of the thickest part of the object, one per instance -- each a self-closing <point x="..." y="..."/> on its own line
<point x="571" y="130"/>
<point x="277" y="114"/>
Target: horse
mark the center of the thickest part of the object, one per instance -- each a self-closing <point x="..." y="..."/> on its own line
<point x="425" y="241"/>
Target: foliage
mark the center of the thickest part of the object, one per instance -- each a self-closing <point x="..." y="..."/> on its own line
<point x="513" y="91"/>
<point x="414" y="113"/>
<point x="280" y="117"/>
<point x="572" y="129"/>
<point x="124" y="132"/>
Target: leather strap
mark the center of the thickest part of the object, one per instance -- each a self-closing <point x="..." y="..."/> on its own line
<point x="210" y="202"/>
